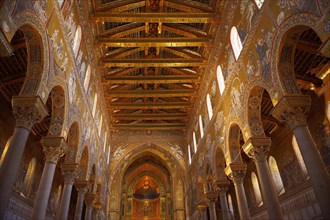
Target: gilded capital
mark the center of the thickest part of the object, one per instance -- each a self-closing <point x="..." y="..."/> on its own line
<point x="221" y="186"/>
<point x="97" y="206"/>
<point x="210" y="197"/>
<point x="82" y="186"/>
<point x="257" y="148"/>
<point x="201" y="206"/>
<point x="292" y="110"/>
<point x="70" y="172"/>
<point x="28" y="110"/>
<point x="90" y="199"/>
<point x="236" y="172"/>
<point x="54" y="148"/>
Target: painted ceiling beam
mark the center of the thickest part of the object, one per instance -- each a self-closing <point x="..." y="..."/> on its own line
<point x="150" y="93"/>
<point x="155" y="116"/>
<point x="149" y="79"/>
<point x="149" y="105"/>
<point x="150" y="126"/>
<point x="163" y="17"/>
<point x="152" y="42"/>
<point x="153" y="62"/>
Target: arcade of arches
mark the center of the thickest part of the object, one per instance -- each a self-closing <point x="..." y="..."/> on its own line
<point x="164" y="109"/>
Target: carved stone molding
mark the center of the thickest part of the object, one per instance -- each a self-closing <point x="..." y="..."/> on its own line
<point x="236" y="172"/>
<point x="292" y="110"/>
<point x="257" y="148"/>
<point x="54" y="148"/>
<point x="28" y="110"/>
<point x="70" y="172"/>
<point x="90" y="199"/>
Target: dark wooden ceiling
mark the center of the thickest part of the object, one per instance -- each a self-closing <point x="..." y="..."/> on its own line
<point x="152" y="54"/>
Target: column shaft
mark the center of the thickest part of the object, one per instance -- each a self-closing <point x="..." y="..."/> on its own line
<point x="315" y="167"/>
<point x="65" y="202"/>
<point x="45" y="185"/>
<point x="213" y="213"/>
<point x="88" y="213"/>
<point x="241" y="200"/>
<point x="268" y="191"/>
<point x="79" y="206"/>
<point x="224" y="206"/>
<point x="10" y="165"/>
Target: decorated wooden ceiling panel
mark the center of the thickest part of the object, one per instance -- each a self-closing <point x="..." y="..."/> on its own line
<point x="152" y="54"/>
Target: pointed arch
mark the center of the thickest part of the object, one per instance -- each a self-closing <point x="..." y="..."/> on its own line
<point x="73" y="143"/>
<point x="84" y="164"/>
<point x="234" y="140"/>
<point x="57" y="96"/>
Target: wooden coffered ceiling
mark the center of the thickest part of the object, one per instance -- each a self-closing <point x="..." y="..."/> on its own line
<point x="152" y="55"/>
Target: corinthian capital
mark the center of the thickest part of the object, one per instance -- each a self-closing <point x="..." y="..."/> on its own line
<point x="257" y="148"/>
<point x="70" y="172"/>
<point x="292" y="110"/>
<point x="90" y="199"/>
<point x="221" y="186"/>
<point x="28" y="110"/>
<point x="54" y="148"/>
<point x="236" y="172"/>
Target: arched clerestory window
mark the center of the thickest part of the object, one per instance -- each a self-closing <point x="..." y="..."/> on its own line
<point x="77" y="40"/>
<point x="256" y="189"/>
<point x="221" y="80"/>
<point x="299" y="158"/>
<point x="189" y="154"/>
<point x="87" y="78"/>
<point x="276" y="175"/>
<point x="194" y="142"/>
<point x="209" y="106"/>
<point x="236" y="42"/>
<point x="94" y="104"/>
<point x="201" y="126"/>
<point x="259" y="3"/>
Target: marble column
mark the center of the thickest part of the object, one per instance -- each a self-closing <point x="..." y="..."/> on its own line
<point x="82" y="187"/>
<point x="70" y="173"/>
<point x="211" y="198"/>
<point x="90" y="199"/>
<point x="54" y="148"/>
<point x="236" y="173"/>
<point x="257" y="149"/>
<point x="221" y="187"/>
<point x="27" y="111"/>
<point x="291" y="110"/>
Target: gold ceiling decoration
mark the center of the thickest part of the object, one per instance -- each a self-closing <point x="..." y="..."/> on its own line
<point x="152" y="56"/>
